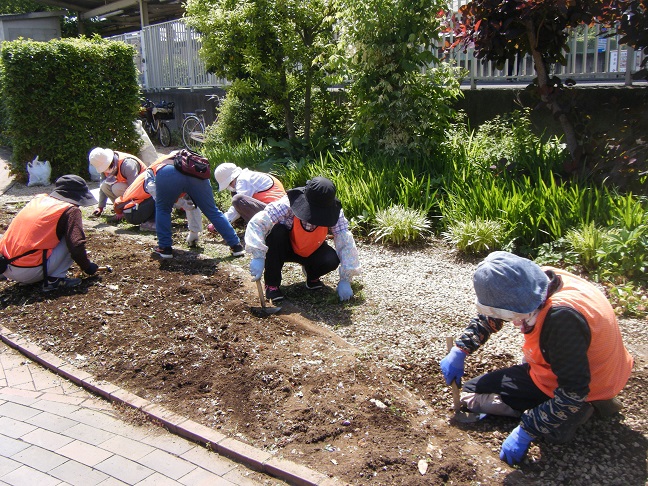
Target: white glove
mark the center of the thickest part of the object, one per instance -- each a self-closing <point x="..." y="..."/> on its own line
<point x="192" y="238"/>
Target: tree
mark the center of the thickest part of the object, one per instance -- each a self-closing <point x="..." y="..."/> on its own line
<point x="500" y="29"/>
<point x="267" y="46"/>
<point x="397" y="102"/>
<point x="8" y="7"/>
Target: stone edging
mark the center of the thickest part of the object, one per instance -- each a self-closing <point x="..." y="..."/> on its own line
<point x="236" y="450"/>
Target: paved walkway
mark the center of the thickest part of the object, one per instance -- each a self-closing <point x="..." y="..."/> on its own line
<point x="53" y="432"/>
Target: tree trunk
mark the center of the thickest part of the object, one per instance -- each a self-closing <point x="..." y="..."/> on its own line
<point x="289" y="116"/>
<point x="549" y="95"/>
<point x="307" y="104"/>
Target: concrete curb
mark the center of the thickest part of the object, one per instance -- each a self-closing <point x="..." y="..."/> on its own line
<point x="238" y="451"/>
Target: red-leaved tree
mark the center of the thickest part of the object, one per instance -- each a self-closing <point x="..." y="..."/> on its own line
<point x="500" y="29"/>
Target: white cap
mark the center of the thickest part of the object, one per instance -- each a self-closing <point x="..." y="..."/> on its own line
<point x="225" y="174"/>
<point x="101" y="158"/>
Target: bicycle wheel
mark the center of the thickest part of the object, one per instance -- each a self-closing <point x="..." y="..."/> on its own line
<point x="193" y="133"/>
<point x="164" y="135"/>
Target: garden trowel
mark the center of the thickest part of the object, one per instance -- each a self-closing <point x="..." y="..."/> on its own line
<point x="460" y="415"/>
<point x="264" y="310"/>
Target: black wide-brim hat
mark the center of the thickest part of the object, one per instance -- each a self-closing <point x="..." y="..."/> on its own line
<point x="73" y="189"/>
<point x="316" y="202"/>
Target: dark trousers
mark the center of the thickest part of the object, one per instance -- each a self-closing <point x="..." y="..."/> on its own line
<point x="513" y="384"/>
<point x="320" y="262"/>
<point x="518" y="391"/>
<point x="144" y="211"/>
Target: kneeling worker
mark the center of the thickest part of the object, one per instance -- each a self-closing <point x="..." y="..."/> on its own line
<point x="294" y="229"/>
<point x="575" y="362"/>
<point x="46" y="236"/>
<point x="253" y="191"/>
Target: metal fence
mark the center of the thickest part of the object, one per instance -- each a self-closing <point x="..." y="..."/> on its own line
<point x="168" y="59"/>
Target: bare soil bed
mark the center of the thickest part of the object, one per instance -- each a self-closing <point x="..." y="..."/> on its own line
<point x="182" y="333"/>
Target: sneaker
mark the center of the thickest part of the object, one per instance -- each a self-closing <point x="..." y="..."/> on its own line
<point x="314" y="284"/>
<point x="148" y="225"/>
<point x="162" y="253"/>
<point x="60" y="283"/>
<point x="237" y="250"/>
<point x="273" y="294"/>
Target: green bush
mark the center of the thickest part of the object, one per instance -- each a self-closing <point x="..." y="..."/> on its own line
<point x="476" y="237"/>
<point x="64" y="97"/>
<point x="243" y="115"/>
<point x="399" y="225"/>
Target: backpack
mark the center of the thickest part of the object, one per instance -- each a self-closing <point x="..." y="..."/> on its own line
<point x="192" y="164"/>
<point x="4" y="261"/>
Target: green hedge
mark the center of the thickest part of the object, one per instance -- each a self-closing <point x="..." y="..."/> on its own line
<point x="64" y="97"/>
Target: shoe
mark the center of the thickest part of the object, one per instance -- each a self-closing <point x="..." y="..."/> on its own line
<point x="60" y="283"/>
<point x="314" y="284"/>
<point x="210" y="228"/>
<point x="237" y="250"/>
<point x="192" y="238"/>
<point x="162" y="253"/>
<point x="273" y="294"/>
<point x="148" y="225"/>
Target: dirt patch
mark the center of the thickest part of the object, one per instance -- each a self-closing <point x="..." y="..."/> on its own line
<point x="182" y="333"/>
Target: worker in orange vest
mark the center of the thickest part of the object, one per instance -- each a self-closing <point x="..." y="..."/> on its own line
<point x="252" y="191"/>
<point x="137" y="204"/>
<point x="294" y="229"/>
<point x="46" y="236"/>
<point x="118" y="170"/>
<point x="574" y="363"/>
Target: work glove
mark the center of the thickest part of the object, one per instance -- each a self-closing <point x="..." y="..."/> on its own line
<point x="515" y="446"/>
<point x="92" y="268"/>
<point x="97" y="212"/>
<point x="192" y="238"/>
<point x="452" y="366"/>
<point x="344" y="290"/>
<point x="256" y="268"/>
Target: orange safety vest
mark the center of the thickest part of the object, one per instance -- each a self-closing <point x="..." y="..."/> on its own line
<point x="121" y="156"/>
<point x="610" y="363"/>
<point x="135" y="193"/>
<point x="275" y="192"/>
<point x="34" y="227"/>
<point x="305" y="242"/>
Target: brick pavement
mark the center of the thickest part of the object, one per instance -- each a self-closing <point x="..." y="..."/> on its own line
<point x="53" y="432"/>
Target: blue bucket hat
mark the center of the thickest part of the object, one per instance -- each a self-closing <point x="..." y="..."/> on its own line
<point x="508" y="286"/>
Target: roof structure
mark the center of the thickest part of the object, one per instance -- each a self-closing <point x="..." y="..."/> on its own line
<point x="122" y="16"/>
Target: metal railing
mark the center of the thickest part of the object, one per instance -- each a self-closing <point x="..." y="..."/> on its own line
<point x="168" y="57"/>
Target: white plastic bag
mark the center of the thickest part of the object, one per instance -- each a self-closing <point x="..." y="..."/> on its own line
<point x="39" y="172"/>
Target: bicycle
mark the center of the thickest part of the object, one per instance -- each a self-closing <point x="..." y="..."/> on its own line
<point x="152" y="116"/>
<point x="194" y="126"/>
<point x="193" y="129"/>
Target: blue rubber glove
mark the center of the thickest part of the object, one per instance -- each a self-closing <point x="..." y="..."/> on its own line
<point x="256" y="268"/>
<point x="515" y="446"/>
<point x="452" y="366"/>
<point x="344" y="290"/>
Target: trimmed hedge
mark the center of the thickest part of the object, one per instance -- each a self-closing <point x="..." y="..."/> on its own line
<point x="63" y="97"/>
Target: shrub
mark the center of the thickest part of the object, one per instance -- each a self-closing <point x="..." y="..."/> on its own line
<point x="399" y="225"/>
<point x="477" y="236"/>
<point x="65" y="96"/>
<point x="587" y="243"/>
